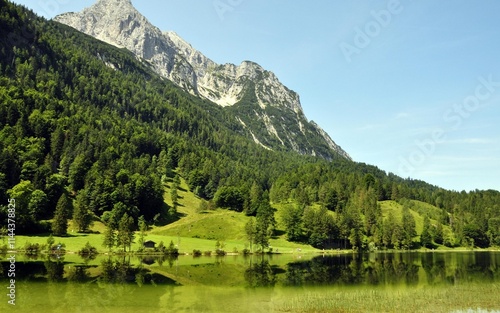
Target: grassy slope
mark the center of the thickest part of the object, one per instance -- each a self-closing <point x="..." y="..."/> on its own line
<point x="422" y="208"/>
<point x="200" y="230"/>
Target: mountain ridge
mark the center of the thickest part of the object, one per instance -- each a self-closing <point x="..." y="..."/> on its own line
<point x="119" y="23"/>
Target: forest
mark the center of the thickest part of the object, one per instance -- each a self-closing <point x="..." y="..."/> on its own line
<point x="88" y="132"/>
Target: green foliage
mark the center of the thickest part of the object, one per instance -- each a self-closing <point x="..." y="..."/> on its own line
<point x="63" y="212"/>
<point x="265" y="225"/>
<point x="408" y="229"/>
<point x="82" y="216"/>
<point x="125" y="236"/>
<point x="494" y="231"/>
<point x="31" y="249"/>
<point x="109" y="240"/>
<point x="250" y="232"/>
<point x="475" y="235"/>
<point x="291" y="216"/>
<point x="229" y="198"/>
<point x="425" y="236"/>
<point x="88" y="250"/>
<point x="171" y="250"/>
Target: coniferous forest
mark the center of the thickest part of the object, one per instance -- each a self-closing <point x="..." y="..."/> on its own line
<point x="88" y="132"/>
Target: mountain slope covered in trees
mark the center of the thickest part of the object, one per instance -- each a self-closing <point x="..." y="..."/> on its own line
<point x="88" y="132"/>
<point x="268" y="112"/>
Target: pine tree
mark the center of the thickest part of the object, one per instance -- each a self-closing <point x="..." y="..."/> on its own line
<point x="143" y="227"/>
<point x="82" y="215"/>
<point x="174" y="195"/>
<point x="426" y="237"/>
<point x="109" y="238"/>
<point x="125" y="232"/>
<point x="250" y="232"/>
<point x="63" y="212"/>
<point x="291" y="217"/>
<point x="408" y="229"/>
<point x="439" y="237"/>
<point x="264" y="227"/>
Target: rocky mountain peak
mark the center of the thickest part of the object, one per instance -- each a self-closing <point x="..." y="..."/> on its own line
<point x="253" y="91"/>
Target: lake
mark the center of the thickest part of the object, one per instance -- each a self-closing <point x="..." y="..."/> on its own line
<point x="375" y="282"/>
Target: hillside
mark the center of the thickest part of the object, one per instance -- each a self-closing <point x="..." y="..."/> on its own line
<point x="88" y="132"/>
<point x="268" y="112"/>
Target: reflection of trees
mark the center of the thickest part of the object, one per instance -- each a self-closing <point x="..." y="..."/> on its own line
<point x="260" y="274"/>
<point x="79" y="274"/>
<point x="352" y="270"/>
<point x="117" y="271"/>
<point x="55" y="270"/>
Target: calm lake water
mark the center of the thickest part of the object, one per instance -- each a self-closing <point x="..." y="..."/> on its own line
<point x="228" y="284"/>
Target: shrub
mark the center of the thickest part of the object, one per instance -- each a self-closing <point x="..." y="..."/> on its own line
<point x="57" y="248"/>
<point x="207" y="253"/>
<point x="196" y="252"/>
<point x="31" y="248"/>
<point x="88" y="250"/>
<point x="220" y="252"/>
<point x="246" y="251"/>
<point x="171" y="250"/>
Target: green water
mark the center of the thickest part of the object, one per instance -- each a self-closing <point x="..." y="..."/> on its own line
<point x="232" y="283"/>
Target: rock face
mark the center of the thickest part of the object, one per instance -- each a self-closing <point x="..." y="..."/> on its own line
<point x="270" y="113"/>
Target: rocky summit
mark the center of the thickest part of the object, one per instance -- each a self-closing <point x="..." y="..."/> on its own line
<point x="270" y="113"/>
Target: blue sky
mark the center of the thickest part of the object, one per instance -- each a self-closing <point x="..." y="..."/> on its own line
<point x="412" y="87"/>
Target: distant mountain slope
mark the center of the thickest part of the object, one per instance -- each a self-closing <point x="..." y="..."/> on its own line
<point x="269" y="112"/>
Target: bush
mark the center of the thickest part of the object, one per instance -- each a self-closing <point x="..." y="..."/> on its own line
<point x="196" y="252"/>
<point x="246" y="251"/>
<point x="207" y="253"/>
<point x="88" y="250"/>
<point x="171" y="250"/>
<point x="31" y="248"/>
<point x="220" y="252"/>
<point x="57" y="248"/>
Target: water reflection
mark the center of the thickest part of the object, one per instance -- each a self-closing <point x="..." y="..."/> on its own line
<point x="378" y="269"/>
<point x="394" y="269"/>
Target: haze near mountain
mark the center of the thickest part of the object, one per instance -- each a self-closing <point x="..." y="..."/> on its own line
<point x="270" y="113"/>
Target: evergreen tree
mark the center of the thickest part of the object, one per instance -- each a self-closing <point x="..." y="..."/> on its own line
<point x="439" y="234"/>
<point x="109" y="237"/>
<point x="408" y="229"/>
<point x="125" y="236"/>
<point x="291" y="216"/>
<point x="38" y="204"/>
<point x="63" y="212"/>
<point x="265" y="224"/>
<point x="250" y="231"/>
<point x="389" y="226"/>
<point x="425" y="236"/>
<point x="143" y="227"/>
<point x="82" y="215"/>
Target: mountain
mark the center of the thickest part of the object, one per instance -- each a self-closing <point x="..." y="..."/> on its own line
<point x="269" y="112"/>
<point x="84" y="120"/>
